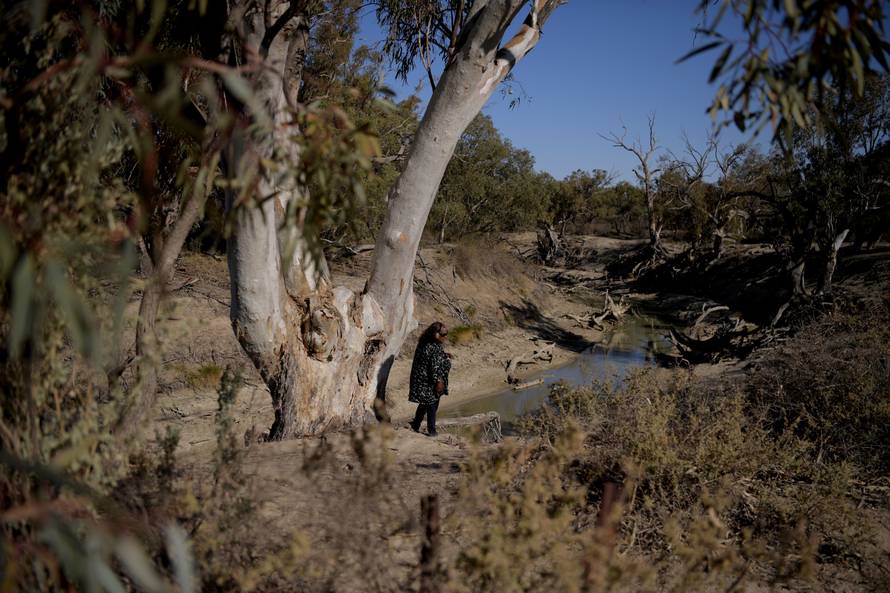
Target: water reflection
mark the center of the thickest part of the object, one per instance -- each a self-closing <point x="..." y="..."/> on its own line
<point x="628" y="346"/>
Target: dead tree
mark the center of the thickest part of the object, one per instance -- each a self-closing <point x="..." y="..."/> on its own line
<point x="612" y="311"/>
<point x="645" y="174"/>
<point x="549" y="243"/>
<point x="830" y="264"/>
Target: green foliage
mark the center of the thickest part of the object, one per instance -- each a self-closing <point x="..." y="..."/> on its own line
<point x="424" y="30"/>
<point x="794" y="52"/>
<point x="489" y="186"/>
<point x="589" y="201"/>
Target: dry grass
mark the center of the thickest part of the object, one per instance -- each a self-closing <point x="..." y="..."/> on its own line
<point x="481" y="258"/>
<point x="830" y="384"/>
<point x="205" y="377"/>
<point x="464" y="334"/>
<point x="654" y="485"/>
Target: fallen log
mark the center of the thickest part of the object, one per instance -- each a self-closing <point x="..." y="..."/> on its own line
<point x="712" y="345"/>
<point x="527" y="384"/>
<point x="581" y="321"/>
<point x="349" y="250"/>
<point x="487" y="426"/>
<point x="695" y="350"/>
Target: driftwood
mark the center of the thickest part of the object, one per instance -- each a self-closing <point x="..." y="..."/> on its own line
<point x="580" y="320"/>
<point x="487" y="425"/>
<point x="527" y="384"/>
<point x="543" y="353"/>
<point x="611" y="311"/>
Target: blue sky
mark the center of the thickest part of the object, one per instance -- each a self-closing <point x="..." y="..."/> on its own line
<point x="600" y="65"/>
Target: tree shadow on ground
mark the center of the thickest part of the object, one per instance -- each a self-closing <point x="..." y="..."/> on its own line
<point x="529" y="317"/>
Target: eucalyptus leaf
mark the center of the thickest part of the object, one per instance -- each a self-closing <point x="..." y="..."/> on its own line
<point x="21" y="313"/>
<point x="138" y="565"/>
<point x="179" y="551"/>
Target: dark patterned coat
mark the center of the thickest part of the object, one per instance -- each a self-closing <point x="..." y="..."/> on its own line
<point x="430" y="365"/>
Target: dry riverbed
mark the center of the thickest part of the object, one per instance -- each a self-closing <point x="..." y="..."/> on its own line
<point x="510" y="313"/>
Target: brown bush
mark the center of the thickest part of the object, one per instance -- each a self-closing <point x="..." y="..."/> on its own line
<point x="830" y="384"/>
<point x="711" y="491"/>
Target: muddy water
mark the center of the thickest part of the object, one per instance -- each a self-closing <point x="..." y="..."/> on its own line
<point x="629" y="346"/>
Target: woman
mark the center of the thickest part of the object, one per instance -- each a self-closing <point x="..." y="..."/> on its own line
<point x="429" y="376"/>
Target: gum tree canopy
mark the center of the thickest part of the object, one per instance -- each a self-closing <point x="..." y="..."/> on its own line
<point x="325" y="352"/>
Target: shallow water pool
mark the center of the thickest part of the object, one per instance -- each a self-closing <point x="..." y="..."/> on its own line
<point x="630" y="345"/>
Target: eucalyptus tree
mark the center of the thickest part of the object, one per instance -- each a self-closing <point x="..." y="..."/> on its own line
<point x="488" y="186"/>
<point x="792" y="55"/>
<point x="324" y="351"/>
<point x="832" y="179"/>
<point x="577" y="199"/>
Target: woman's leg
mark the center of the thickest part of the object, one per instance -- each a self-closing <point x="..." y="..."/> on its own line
<point x="431" y="418"/>
<point x="418" y="417"/>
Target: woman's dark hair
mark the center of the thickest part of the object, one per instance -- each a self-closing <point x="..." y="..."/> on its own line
<point x="430" y="333"/>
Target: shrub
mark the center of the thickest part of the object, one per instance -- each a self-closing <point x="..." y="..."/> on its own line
<point x="830" y="384"/>
<point x="464" y="334"/>
<point x="206" y="376"/>
<point x="709" y="490"/>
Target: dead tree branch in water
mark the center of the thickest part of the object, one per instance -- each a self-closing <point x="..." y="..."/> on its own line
<point x="539" y="354"/>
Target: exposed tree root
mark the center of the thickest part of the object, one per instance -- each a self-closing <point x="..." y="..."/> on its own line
<point x="611" y="311"/>
<point x="639" y="262"/>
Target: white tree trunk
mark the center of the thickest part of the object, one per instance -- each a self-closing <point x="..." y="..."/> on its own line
<point x="325" y="353"/>
<point x="831" y="262"/>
